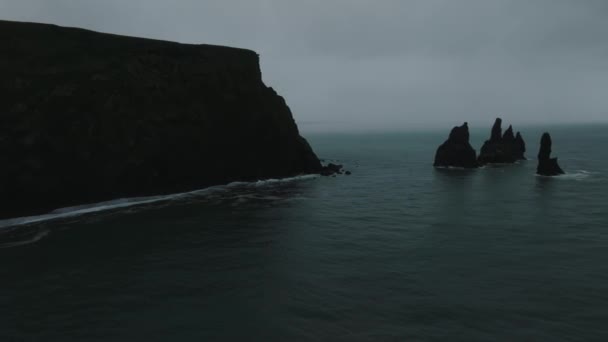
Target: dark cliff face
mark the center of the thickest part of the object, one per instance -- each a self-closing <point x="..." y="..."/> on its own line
<point x="87" y="116"/>
<point x="502" y="148"/>
<point x="547" y="166"/>
<point x="456" y="151"/>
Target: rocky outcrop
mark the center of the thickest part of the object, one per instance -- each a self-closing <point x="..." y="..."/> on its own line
<point x="332" y="169"/>
<point x="496" y="133"/>
<point x="547" y="166"/>
<point x="456" y="151"/>
<point x="520" y="147"/>
<point x="87" y="117"/>
<point x="502" y="148"/>
<point x="508" y="136"/>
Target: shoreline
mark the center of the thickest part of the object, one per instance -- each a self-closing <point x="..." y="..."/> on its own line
<point x="11" y="224"/>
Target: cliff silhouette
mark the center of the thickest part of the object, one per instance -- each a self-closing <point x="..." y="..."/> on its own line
<point x="87" y="116"/>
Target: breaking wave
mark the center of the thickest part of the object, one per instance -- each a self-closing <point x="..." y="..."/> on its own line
<point x="69" y="212"/>
<point x="578" y="175"/>
<point x="33" y="238"/>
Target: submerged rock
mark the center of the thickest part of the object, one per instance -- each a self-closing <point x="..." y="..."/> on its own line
<point x="502" y="148"/>
<point x="456" y="151"/>
<point x="88" y="117"/>
<point x="547" y="166"/>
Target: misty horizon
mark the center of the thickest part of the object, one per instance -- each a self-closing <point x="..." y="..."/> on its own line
<point x="389" y="66"/>
<point x="152" y="191"/>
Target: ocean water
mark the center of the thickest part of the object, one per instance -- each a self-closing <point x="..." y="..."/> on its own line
<point x="398" y="251"/>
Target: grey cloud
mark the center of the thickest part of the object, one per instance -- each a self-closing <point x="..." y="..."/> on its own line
<point x="387" y="64"/>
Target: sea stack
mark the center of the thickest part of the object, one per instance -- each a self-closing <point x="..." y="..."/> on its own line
<point x="547" y="166"/>
<point x="88" y="117"/>
<point x="520" y="147"/>
<point x="456" y="151"/>
<point x="502" y="148"/>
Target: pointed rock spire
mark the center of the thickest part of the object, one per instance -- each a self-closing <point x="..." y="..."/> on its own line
<point x="547" y="166"/>
<point x="496" y="130"/>
<point x="502" y="148"/>
<point x="508" y="136"/>
<point x="456" y="151"/>
<point x="520" y="147"/>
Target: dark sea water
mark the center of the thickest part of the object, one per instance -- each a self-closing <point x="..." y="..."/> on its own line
<point x="399" y="251"/>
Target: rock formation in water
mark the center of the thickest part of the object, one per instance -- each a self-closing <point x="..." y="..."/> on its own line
<point x="87" y="117"/>
<point x="547" y="166"/>
<point x="456" y="151"/>
<point x="520" y="147"/>
<point x="332" y="169"/>
<point x="502" y="148"/>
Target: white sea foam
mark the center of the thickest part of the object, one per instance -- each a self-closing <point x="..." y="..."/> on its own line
<point x="128" y="202"/>
<point x="37" y="237"/>
<point x="578" y="175"/>
<point x="452" y="168"/>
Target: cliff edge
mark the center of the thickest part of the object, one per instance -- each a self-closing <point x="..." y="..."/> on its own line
<point x="87" y="117"/>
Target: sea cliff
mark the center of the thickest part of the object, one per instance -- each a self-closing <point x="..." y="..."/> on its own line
<point x="87" y="117"/>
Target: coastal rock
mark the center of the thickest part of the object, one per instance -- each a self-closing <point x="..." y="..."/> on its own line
<point x="332" y="169"/>
<point x="508" y="137"/>
<point x="502" y="148"/>
<point x="88" y="117"/>
<point x="496" y="133"/>
<point x="520" y="147"/>
<point x="547" y="166"/>
<point x="456" y="151"/>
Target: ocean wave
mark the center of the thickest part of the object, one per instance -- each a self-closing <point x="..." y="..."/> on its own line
<point x="120" y="203"/>
<point x="33" y="239"/>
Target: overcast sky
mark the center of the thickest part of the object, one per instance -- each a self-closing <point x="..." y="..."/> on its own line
<point x="354" y="64"/>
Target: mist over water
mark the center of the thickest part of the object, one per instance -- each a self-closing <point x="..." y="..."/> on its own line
<point x="397" y="251"/>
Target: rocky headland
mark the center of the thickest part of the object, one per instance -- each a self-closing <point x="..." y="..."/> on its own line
<point x="547" y="166"/>
<point x="456" y="151"/>
<point x="87" y="117"/>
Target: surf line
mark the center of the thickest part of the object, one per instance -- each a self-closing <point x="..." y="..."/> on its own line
<point x="134" y="201"/>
